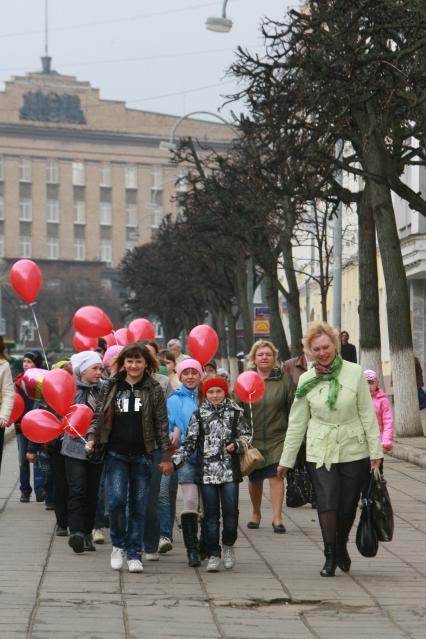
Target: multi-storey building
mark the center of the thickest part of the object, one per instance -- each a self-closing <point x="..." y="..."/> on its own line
<point x="82" y="179"/>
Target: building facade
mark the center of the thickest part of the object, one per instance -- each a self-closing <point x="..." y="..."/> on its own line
<point x="82" y="180"/>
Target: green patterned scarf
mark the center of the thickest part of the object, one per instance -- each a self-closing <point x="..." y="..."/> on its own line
<point x="324" y="372"/>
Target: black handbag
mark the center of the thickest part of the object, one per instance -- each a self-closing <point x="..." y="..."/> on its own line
<point x="366" y="534"/>
<point x="299" y="484"/>
<point x="382" y="511"/>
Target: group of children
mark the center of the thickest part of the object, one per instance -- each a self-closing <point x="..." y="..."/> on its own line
<point x="145" y="440"/>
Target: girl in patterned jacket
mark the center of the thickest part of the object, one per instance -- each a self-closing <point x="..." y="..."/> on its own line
<point x="214" y="431"/>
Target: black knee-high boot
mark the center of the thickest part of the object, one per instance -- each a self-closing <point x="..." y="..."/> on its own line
<point x="344" y="524"/>
<point x="189" y="523"/>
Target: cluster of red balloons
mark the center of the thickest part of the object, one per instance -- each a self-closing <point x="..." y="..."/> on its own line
<point x="57" y="388"/>
<point x="91" y="323"/>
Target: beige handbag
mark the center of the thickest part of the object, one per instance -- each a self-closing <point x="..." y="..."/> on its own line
<point x="250" y="457"/>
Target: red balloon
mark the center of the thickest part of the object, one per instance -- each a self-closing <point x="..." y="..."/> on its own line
<point x="79" y="417"/>
<point x="203" y="343"/>
<point x="84" y="343"/>
<point x="249" y="386"/>
<point x="59" y="390"/>
<point x="141" y="329"/>
<point x="18" y="408"/>
<point x="110" y="341"/>
<point x="40" y="426"/>
<point x="121" y="337"/>
<point x="32" y="383"/>
<point x="92" y="321"/>
<point x="26" y="279"/>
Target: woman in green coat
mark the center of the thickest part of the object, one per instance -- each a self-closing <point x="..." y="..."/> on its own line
<point x="268" y="418"/>
<point x="333" y="408"/>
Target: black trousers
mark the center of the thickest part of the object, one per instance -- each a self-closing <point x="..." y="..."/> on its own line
<point x="340" y="487"/>
<point x="83" y="479"/>
<point x="60" y="487"/>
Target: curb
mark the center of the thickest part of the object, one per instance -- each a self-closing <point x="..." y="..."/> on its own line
<point x="408" y="453"/>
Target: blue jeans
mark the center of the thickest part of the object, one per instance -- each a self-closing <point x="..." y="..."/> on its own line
<point x="128" y="479"/>
<point x="24" y="467"/>
<point x="152" y="518"/>
<point x="216" y="496"/>
<point x="167" y="504"/>
<point x="102" y="506"/>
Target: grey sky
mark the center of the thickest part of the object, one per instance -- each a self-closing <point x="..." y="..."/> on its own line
<point x="156" y="56"/>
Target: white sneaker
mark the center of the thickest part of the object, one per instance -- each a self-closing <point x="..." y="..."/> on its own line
<point x="151" y="556"/>
<point x="117" y="558"/>
<point x="228" y="557"/>
<point x="213" y="565"/>
<point x="98" y="536"/>
<point x="135" y="565"/>
<point x="165" y="545"/>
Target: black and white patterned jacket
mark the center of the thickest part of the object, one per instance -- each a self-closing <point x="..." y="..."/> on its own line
<point x="210" y="430"/>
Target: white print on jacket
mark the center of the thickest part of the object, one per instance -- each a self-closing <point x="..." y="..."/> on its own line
<point x="122" y="401"/>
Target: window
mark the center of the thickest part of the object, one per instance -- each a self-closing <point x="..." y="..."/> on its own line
<point x="2" y="246"/>
<point x="1" y="207"/>
<point x="52" y="213"/>
<point x="25" y="170"/>
<point x="52" y="172"/>
<point x="106" y="284"/>
<point x="79" y="248"/>
<point x="106" y="252"/>
<point x="105" y="175"/>
<point x="105" y="210"/>
<point x="157" y="218"/>
<point x="3" y="326"/>
<point x="25" y="209"/>
<point x="131" y="177"/>
<point x="52" y="248"/>
<point x="79" y="212"/>
<point x="131" y="215"/>
<point x="181" y="181"/>
<point x="78" y="176"/>
<point x="156" y="193"/>
<point x="1" y="169"/>
<point x="26" y="331"/>
<point x="25" y="246"/>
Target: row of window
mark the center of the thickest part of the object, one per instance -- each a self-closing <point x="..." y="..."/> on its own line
<point x="79" y="174"/>
<point x="79" y="206"/>
<point x="53" y="253"/>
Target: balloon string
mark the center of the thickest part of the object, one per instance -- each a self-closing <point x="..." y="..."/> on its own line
<point x="39" y="335"/>
<point x="75" y="430"/>
<point x="251" y="417"/>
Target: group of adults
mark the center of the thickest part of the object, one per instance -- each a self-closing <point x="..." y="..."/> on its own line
<point x="318" y="398"/>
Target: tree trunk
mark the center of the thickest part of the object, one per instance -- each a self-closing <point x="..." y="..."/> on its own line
<point x="222" y="352"/>
<point x="369" y="316"/>
<point x="243" y="302"/>
<point x="278" y="335"/>
<point x="407" y="415"/>
<point x="232" y="346"/>
<point x="293" y="297"/>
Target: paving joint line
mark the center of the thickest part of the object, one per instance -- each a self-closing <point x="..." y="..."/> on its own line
<point x="126" y="625"/>
<point x="36" y="605"/>
<point x="216" y="621"/>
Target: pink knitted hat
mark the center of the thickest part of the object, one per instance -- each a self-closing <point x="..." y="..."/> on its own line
<point x="188" y="363"/>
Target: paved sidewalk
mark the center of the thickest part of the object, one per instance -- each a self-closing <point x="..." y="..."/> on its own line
<point x="412" y="449"/>
<point x="275" y="591"/>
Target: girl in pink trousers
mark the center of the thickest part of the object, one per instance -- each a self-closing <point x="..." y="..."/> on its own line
<point x="383" y="409"/>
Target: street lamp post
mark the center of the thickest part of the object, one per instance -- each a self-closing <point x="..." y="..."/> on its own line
<point x="170" y="145"/>
<point x="222" y="24"/>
